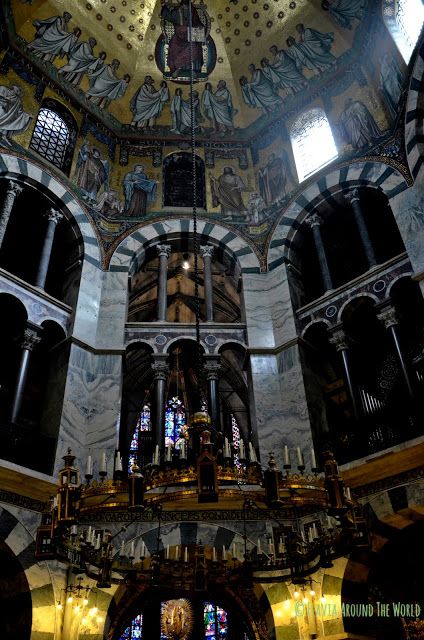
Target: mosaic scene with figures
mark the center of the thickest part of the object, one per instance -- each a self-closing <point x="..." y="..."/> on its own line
<point x="212" y="319"/>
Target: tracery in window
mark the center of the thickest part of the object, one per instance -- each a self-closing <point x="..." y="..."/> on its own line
<point x="135" y="629"/>
<point x="143" y="424"/>
<point x="51" y="137"/>
<point x="176" y="429"/>
<point x="404" y="19"/>
<point x="313" y="143"/>
<point x="236" y="440"/>
<point x="215" y="619"/>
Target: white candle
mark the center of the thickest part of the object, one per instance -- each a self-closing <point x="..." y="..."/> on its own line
<point x="224" y="552"/>
<point x="143" y="550"/>
<point x="177" y="552"/>
<point x="167" y="552"/>
<point x="103" y="468"/>
<point x="132" y="549"/>
<point x="286" y="456"/>
<point x="89" y="534"/>
<point x="213" y="554"/>
<point x="89" y="467"/>
<point x="299" y="457"/>
<point x="310" y="535"/>
<point x="329" y="525"/>
<point x="74" y="530"/>
<point x="156" y="456"/>
<point x="118" y="462"/>
<point x="98" y="542"/>
<point x="315" y="530"/>
<point x="271" y="548"/>
<point x="186" y="555"/>
<point x="259" y="546"/>
<point x="242" y="451"/>
<point x="252" y="453"/>
<point x="313" y="459"/>
<point x="93" y="537"/>
<point x="122" y="548"/>
<point x="183" y="454"/>
<point x="302" y="533"/>
<point x="234" y="550"/>
<point x="348" y="494"/>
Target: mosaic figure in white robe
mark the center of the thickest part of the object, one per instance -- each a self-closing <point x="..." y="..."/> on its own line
<point x="315" y="48"/>
<point x="283" y="72"/>
<point x="181" y="113"/>
<point x="259" y="93"/>
<point x="52" y="37"/>
<point x="105" y="86"/>
<point x="344" y="12"/>
<point x="147" y="104"/>
<point x="81" y="60"/>
<point x="218" y="107"/>
<point x="357" y="124"/>
<point x="13" y="118"/>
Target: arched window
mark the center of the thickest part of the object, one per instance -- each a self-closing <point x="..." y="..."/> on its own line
<point x="404" y="19"/>
<point x="135" y="630"/>
<point x="178" y="181"/>
<point x="54" y="134"/>
<point x="313" y="143"/>
<point x="236" y="440"/>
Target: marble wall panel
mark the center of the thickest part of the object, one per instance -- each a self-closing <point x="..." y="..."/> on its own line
<point x="408" y="210"/>
<point x="88" y="304"/>
<point x="113" y="311"/>
<point x="91" y="408"/>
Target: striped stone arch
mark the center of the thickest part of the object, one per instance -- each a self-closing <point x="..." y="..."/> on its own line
<point x="31" y="173"/>
<point x="21" y="543"/>
<point x="367" y="173"/>
<point x="130" y="253"/>
<point x="414" y="133"/>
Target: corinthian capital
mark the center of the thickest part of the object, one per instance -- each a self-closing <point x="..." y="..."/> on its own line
<point x="339" y="340"/>
<point x="30" y="340"/>
<point x="206" y="251"/>
<point x="388" y="317"/>
<point x="164" y="250"/>
<point x="13" y="189"/>
<point x="53" y="215"/>
<point x="314" y="220"/>
<point x="352" y="196"/>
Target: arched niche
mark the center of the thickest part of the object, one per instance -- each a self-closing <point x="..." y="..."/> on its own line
<point x="178" y="181"/>
<point x="15" y="597"/>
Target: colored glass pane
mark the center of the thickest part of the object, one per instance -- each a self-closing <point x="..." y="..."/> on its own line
<point x="236" y="441"/>
<point x="143" y="424"/>
<point x="215" y="621"/>
<point x="313" y="143"/>
<point x="135" y="630"/>
<point x="176" y="429"/>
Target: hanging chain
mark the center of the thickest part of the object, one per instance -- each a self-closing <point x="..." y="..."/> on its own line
<point x="194" y="178"/>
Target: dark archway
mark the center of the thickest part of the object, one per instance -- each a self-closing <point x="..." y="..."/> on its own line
<point x="15" y="598"/>
<point x="178" y="181"/>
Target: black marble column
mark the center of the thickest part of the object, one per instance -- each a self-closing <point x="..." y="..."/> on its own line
<point x="31" y="339"/>
<point x="13" y="190"/>
<point x="164" y="251"/>
<point x="340" y="341"/>
<point x="207" y="252"/>
<point x="314" y="221"/>
<point x="160" y="375"/>
<point x="390" y="321"/>
<point x="353" y="198"/>
<point x="212" y="375"/>
<point x="53" y="217"/>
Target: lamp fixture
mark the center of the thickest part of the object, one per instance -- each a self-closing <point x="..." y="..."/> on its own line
<point x="186" y="264"/>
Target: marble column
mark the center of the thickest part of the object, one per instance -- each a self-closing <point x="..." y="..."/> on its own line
<point x="31" y="339"/>
<point x="207" y="252"/>
<point x="164" y="251"/>
<point x="160" y="375"/>
<point x="212" y="371"/>
<point x="13" y="190"/>
<point x="53" y="218"/>
<point x="390" y="321"/>
<point x="353" y="198"/>
<point x="340" y="341"/>
<point x="314" y="221"/>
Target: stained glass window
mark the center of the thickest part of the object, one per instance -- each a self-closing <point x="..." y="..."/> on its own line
<point x="215" y="620"/>
<point x="176" y="429"/>
<point x="51" y="137"/>
<point x="135" y="630"/>
<point x="143" y="424"/>
<point x="313" y="143"/>
<point x="236" y="440"/>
